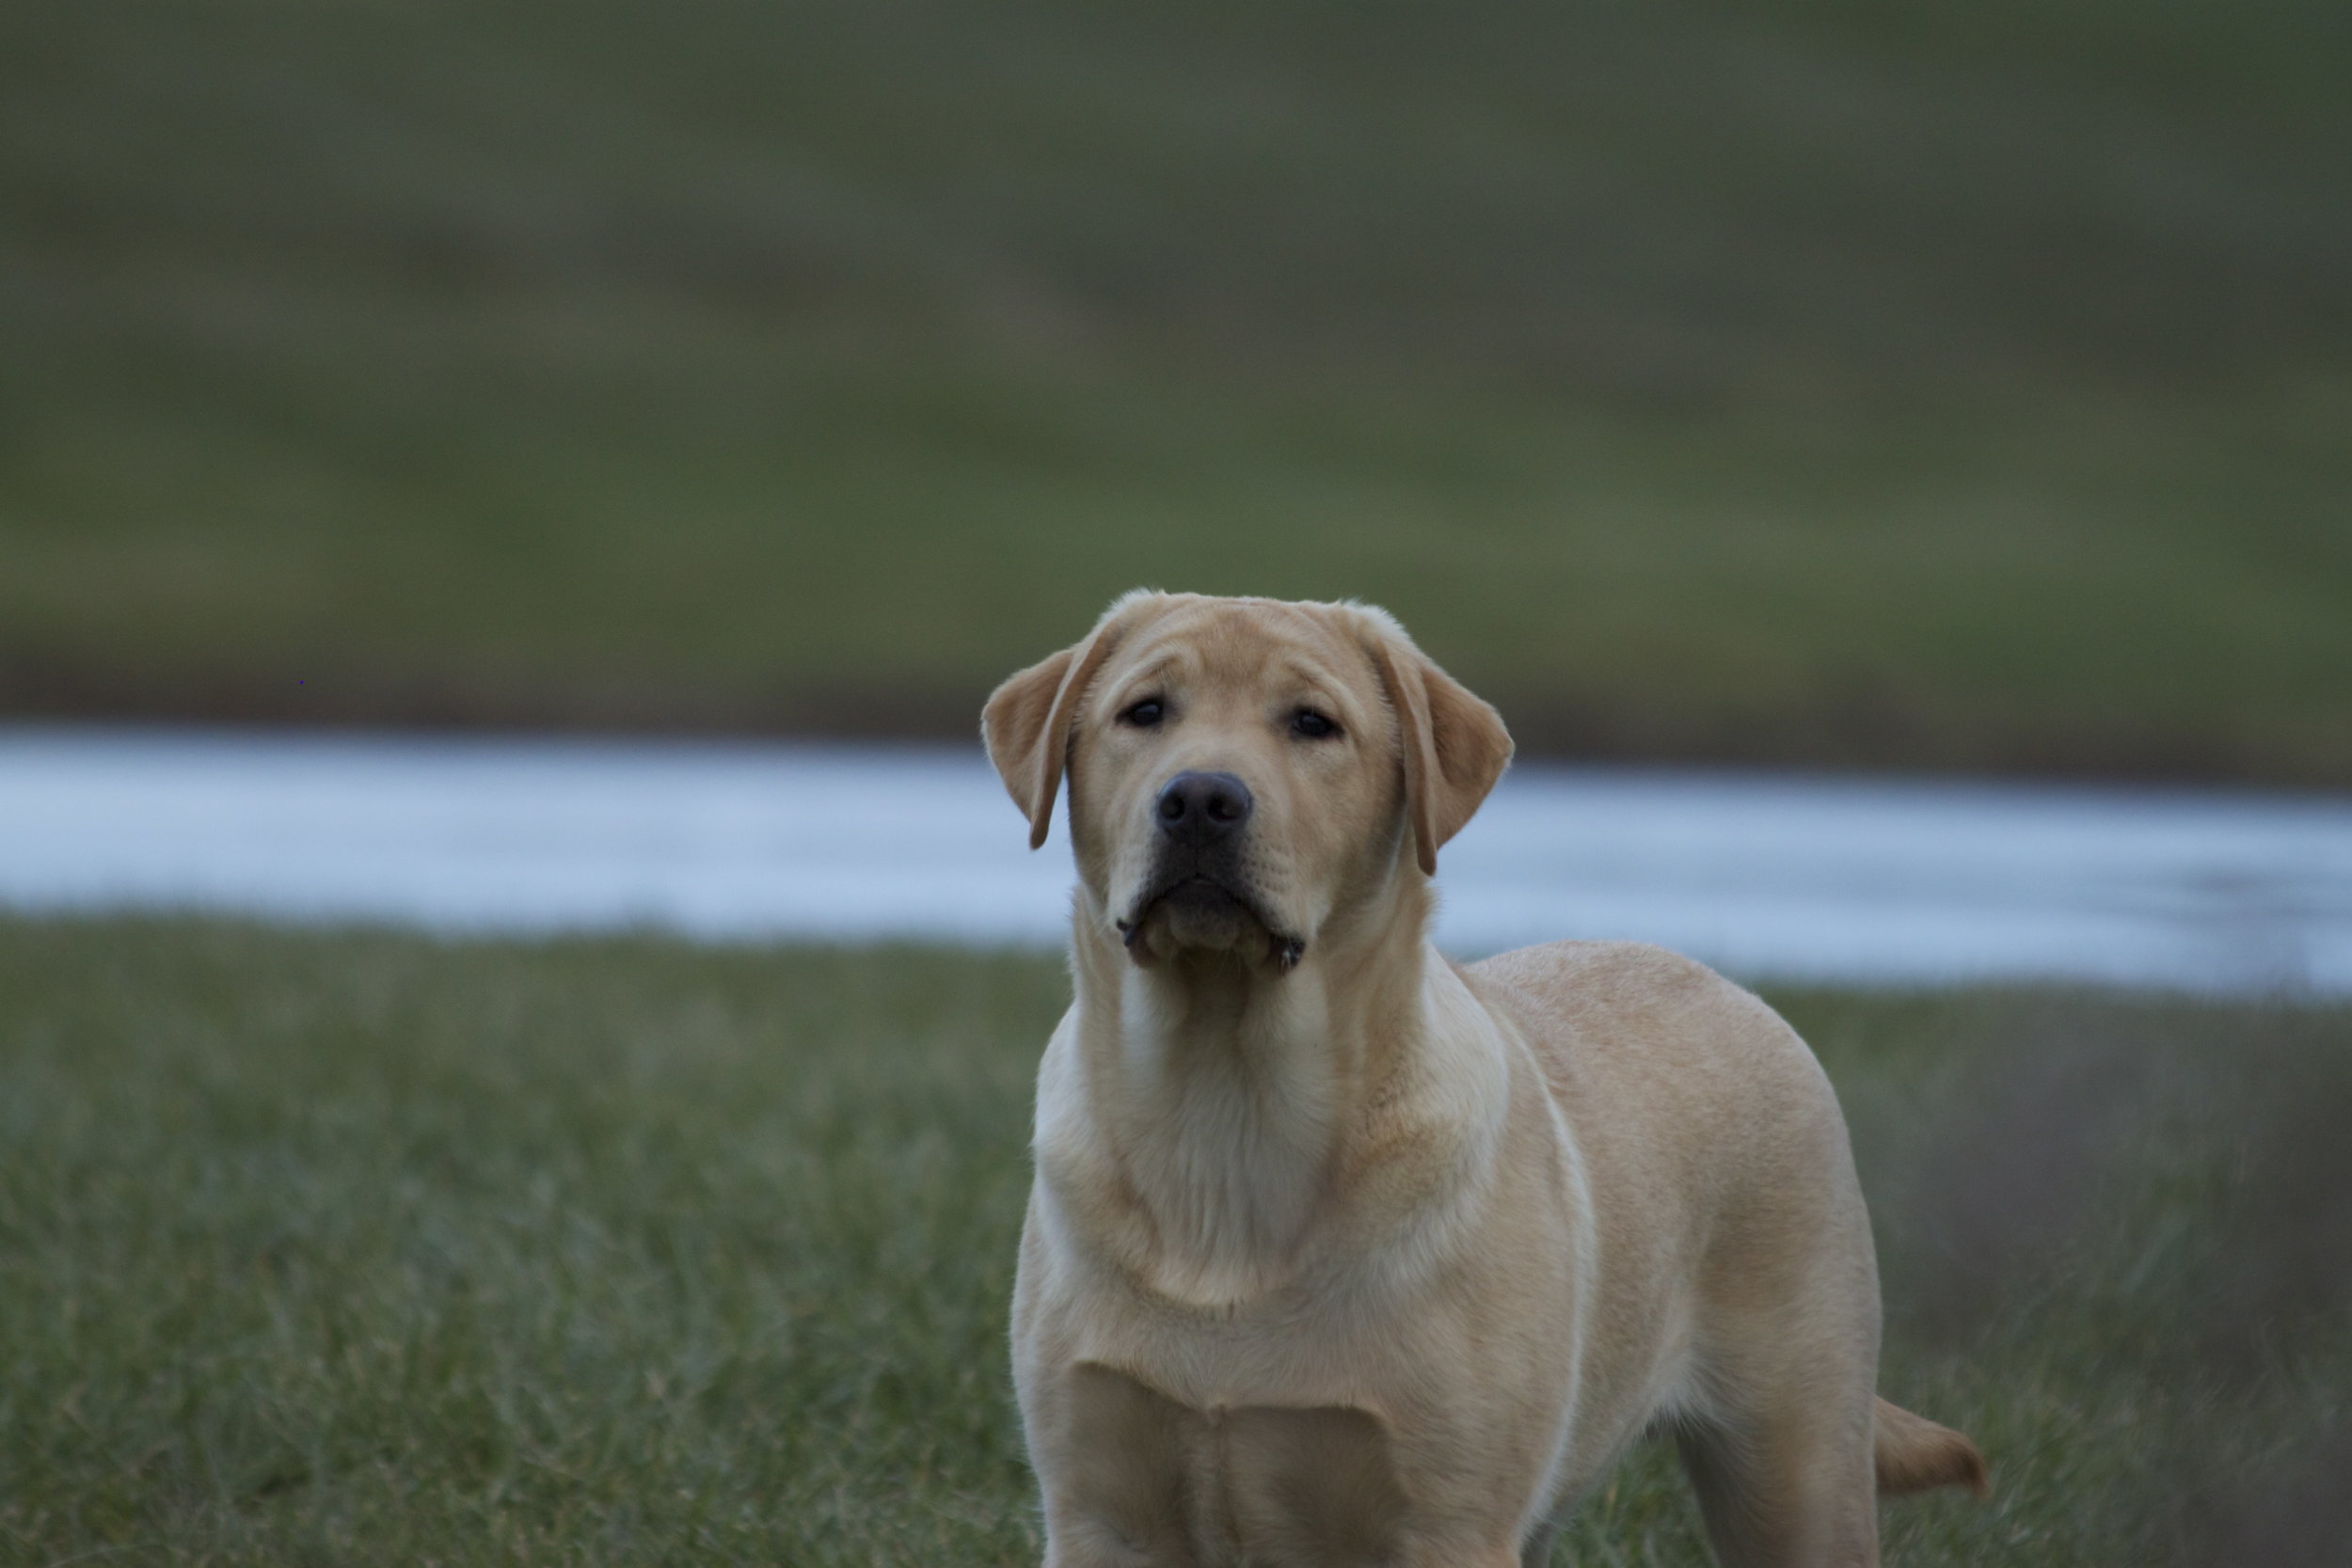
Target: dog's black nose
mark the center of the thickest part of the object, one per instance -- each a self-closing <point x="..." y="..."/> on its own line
<point x="1198" y="807"/>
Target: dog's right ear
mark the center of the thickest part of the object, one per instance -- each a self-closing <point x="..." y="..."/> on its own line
<point x="1027" y="722"/>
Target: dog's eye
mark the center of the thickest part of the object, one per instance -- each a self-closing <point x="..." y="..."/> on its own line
<point x="1312" y="725"/>
<point x="1144" y="714"/>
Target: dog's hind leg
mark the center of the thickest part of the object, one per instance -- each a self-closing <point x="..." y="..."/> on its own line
<point x="1797" y="1494"/>
<point x="1780" y="1450"/>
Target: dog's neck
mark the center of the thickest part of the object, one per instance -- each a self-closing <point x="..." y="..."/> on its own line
<point x="1218" y="1097"/>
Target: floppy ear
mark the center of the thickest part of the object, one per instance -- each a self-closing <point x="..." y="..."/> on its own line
<point x="1455" y="746"/>
<point x="1026" y="724"/>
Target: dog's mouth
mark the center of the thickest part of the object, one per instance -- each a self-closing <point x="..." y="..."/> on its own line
<point x="1197" y="912"/>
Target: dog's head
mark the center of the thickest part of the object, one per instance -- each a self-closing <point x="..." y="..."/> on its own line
<point x="1242" y="769"/>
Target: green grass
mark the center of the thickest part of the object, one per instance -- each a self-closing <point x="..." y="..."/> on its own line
<point x="360" y="1249"/>
<point x="1967" y="387"/>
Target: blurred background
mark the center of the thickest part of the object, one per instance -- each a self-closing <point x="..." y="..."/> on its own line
<point x="1962" y="386"/>
<point x="1816" y="390"/>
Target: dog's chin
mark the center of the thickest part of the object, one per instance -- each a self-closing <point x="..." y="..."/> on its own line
<point x="1202" y="917"/>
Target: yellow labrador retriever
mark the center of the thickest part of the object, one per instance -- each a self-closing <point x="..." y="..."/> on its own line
<point x="1339" y="1252"/>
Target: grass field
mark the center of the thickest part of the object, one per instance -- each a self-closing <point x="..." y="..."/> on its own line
<point x="1967" y="386"/>
<point x="357" y="1248"/>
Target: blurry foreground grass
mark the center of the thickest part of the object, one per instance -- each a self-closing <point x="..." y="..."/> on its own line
<point x="361" y="1248"/>
<point x="1959" y="385"/>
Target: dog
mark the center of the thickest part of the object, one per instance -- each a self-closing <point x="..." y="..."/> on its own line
<point x="1339" y="1252"/>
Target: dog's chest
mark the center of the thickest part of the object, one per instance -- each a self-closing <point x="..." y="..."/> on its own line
<point x="1160" y="1483"/>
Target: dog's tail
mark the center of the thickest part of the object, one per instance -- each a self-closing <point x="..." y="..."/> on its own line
<point x="1914" y="1454"/>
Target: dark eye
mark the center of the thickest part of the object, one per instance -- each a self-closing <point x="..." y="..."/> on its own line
<point x="1144" y="714"/>
<point x="1312" y="725"/>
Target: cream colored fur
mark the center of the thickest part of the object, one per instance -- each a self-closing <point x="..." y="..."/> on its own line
<point x="1350" y="1254"/>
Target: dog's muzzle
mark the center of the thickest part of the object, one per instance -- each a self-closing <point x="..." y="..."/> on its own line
<point x="1196" y="882"/>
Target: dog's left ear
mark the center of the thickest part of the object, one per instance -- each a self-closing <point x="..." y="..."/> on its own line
<point x="1025" y="726"/>
<point x="1455" y="746"/>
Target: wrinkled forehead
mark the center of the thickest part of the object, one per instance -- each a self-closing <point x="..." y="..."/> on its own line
<point x="1246" y="646"/>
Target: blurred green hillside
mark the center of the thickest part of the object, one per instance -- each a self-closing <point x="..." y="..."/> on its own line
<point x="1947" y="385"/>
